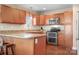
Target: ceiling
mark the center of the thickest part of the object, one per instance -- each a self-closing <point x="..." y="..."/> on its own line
<point x="41" y="7"/>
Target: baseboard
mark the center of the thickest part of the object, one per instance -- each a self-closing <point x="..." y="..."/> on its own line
<point x="74" y="50"/>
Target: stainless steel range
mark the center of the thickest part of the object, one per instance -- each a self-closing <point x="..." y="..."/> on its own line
<point x="52" y="36"/>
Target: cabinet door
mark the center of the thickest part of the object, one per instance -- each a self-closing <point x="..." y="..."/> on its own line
<point x="36" y="20"/>
<point x="7" y="15"/>
<point x="68" y="36"/>
<point x="16" y="18"/>
<point x="61" y="39"/>
<point x="24" y="47"/>
<point x="33" y="19"/>
<point x="61" y="18"/>
<point x="3" y="13"/>
<point x="68" y="17"/>
<point x="42" y="20"/>
<point x="22" y="16"/>
<point x="40" y="45"/>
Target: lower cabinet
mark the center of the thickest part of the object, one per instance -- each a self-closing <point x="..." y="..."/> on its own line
<point x="28" y="46"/>
<point x="31" y="46"/>
<point x="68" y="36"/>
<point x="65" y="38"/>
<point x="61" y="40"/>
<point x="40" y="46"/>
<point x="24" y="46"/>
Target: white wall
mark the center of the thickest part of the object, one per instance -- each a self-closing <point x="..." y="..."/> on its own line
<point x="75" y="9"/>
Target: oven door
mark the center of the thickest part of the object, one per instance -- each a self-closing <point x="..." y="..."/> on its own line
<point x="52" y="38"/>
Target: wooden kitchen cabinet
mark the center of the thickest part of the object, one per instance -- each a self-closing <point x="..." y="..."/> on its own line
<point x="16" y="18"/>
<point x="36" y="20"/>
<point x="68" y="36"/>
<point x="40" y="46"/>
<point x="68" y="27"/>
<point x="24" y="46"/>
<point x="33" y="45"/>
<point x="42" y="20"/>
<point x="61" y="16"/>
<point x="6" y="14"/>
<point x="12" y="15"/>
<point x="68" y="16"/>
<point x="61" y="40"/>
<point x="39" y="20"/>
<point x="22" y="16"/>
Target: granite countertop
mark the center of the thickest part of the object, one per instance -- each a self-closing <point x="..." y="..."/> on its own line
<point x="23" y="35"/>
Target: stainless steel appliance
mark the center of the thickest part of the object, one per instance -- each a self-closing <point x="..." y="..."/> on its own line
<point x="52" y="36"/>
<point x="54" y="21"/>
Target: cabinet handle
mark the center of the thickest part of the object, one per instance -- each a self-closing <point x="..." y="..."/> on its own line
<point x="36" y="40"/>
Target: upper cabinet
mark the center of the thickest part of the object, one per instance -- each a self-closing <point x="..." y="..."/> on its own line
<point x="49" y="19"/>
<point x="6" y="14"/>
<point x="42" y="20"/>
<point x="16" y="17"/>
<point x="22" y="16"/>
<point x="61" y="17"/>
<point x="68" y="17"/>
<point x="12" y="15"/>
<point x="36" y="20"/>
<point x="39" y="20"/>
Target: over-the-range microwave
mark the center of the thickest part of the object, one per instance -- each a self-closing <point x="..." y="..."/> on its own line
<point x="54" y="21"/>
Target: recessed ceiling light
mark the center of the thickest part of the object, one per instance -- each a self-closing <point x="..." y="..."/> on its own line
<point x="44" y="8"/>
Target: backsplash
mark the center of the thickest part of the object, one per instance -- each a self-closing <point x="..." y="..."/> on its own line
<point x="4" y="26"/>
<point x="47" y="28"/>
